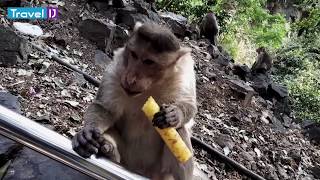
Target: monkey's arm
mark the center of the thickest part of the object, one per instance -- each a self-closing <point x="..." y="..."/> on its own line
<point x="188" y="109"/>
<point x="177" y="114"/>
<point x="98" y="116"/>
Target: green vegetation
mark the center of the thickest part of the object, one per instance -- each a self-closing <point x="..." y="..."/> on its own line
<point x="248" y="24"/>
<point x="298" y="65"/>
<point x="245" y="25"/>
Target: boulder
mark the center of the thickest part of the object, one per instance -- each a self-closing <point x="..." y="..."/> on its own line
<point x="10" y="101"/>
<point x="139" y="11"/>
<point x="127" y="17"/>
<point x="278" y="91"/>
<point x="260" y="83"/>
<point x="119" y="3"/>
<point x="147" y="9"/>
<point x="242" y="88"/>
<point x="177" y="23"/>
<point x="106" y="35"/>
<point x="193" y="31"/>
<point x="13" y="49"/>
<point x="243" y="71"/>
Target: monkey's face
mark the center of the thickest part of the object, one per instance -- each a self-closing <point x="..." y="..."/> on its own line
<point x="142" y="69"/>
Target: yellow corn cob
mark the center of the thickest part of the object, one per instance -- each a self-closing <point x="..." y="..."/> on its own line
<point x="169" y="135"/>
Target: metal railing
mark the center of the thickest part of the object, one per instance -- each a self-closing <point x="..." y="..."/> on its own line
<point x="58" y="147"/>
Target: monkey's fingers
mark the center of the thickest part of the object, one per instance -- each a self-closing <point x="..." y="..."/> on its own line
<point x="79" y="148"/>
<point x="83" y="153"/>
<point x="85" y="144"/>
<point x="160" y="122"/>
<point x="172" y="120"/>
<point x="96" y="133"/>
<point x="107" y="149"/>
<point x="90" y="137"/>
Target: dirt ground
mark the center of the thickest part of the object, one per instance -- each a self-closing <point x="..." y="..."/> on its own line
<point x="57" y="97"/>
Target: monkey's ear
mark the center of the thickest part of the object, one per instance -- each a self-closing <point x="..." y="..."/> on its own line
<point x="137" y="26"/>
<point x="182" y="51"/>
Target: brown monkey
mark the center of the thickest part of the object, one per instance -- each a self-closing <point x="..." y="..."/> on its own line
<point x="152" y="63"/>
<point x="263" y="63"/>
<point x="209" y="28"/>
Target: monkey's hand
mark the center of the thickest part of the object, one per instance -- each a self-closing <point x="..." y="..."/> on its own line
<point x="106" y="149"/>
<point x="86" y="142"/>
<point x="168" y="116"/>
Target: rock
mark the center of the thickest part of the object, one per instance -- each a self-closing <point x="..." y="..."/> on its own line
<point x="177" y="23"/>
<point x="313" y="132"/>
<point x="28" y="29"/>
<point x="96" y="31"/>
<point x="119" y="37"/>
<point x="243" y="71"/>
<point x="128" y="17"/>
<point x="119" y="3"/>
<point x="10" y="101"/>
<point x="278" y="91"/>
<point x="295" y="154"/>
<point x="246" y="156"/>
<point x="286" y="121"/>
<point x="142" y="6"/>
<point x="210" y="74"/>
<point x="271" y="173"/>
<point x="213" y="51"/>
<point x="218" y="56"/>
<point x="266" y="117"/>
<point x="140" y="11"/>
<point x="100" y="5"/>
<point x="13" y="49"/>
<point x="199" y="175"/>
<point x="282" y="172"/>
<point x="106" y="35"/>
<point x="260" y="84"/>
<point x="281" y="107"/>
<point x="148" y="9"/>
<point x="193" y="31"/>
<point x="225" y="54"/>
<point x="224" y="141"/>
<point x="242" y="88"/>
<point x="315" y="171"/>
<point x="277" y="125"/>
<point x="29" y="164"/>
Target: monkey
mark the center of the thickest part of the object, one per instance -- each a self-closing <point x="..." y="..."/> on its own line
<point x="209" y="27"/>
<point x="151" y="63"/>
<point x="263" y="63"/>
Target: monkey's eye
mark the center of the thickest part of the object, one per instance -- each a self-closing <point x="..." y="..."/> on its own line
<point x="134" y="55"/>
<point x="148" y="62"/>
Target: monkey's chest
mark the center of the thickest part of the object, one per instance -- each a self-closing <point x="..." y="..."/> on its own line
<point x="142" y="144"/>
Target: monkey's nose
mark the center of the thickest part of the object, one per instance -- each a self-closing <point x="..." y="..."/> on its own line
<point x="130" y="81"/>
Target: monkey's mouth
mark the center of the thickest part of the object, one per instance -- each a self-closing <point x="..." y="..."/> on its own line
<point x="131" y="93"/>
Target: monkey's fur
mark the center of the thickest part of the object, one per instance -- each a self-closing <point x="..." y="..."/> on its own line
<point x="152" y="63"/>
<point x="209" y="28"/>
<point x="263" y="63"/>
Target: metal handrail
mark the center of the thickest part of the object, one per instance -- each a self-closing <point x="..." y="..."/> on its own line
<point x="58" y="147"/>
